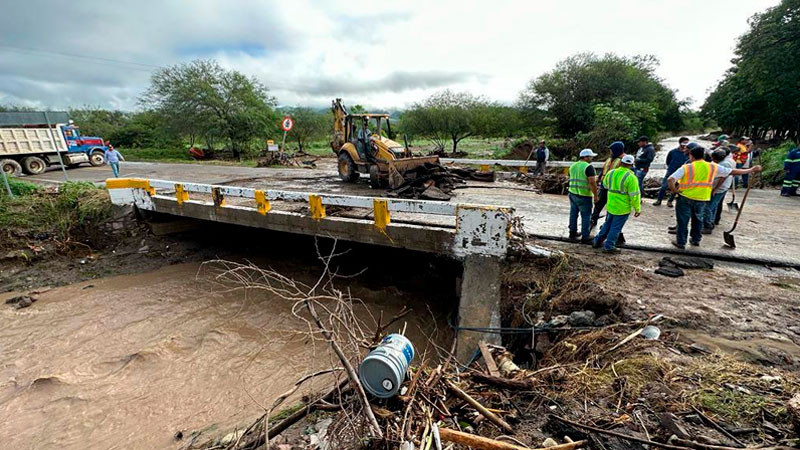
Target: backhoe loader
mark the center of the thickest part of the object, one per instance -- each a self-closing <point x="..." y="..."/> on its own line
<point x="363" y="146"/>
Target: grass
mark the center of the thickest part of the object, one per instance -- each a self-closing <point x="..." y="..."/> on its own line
<point x="772" y="163"/>
<point x="40" y="211"/>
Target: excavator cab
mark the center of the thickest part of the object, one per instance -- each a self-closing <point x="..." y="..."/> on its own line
<point x="363" y="146"/>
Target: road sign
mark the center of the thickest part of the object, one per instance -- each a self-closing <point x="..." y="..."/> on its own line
<point x="287" y="123"/>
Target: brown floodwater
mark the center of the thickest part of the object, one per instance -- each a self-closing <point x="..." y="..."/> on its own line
<point x="127" y="361"/>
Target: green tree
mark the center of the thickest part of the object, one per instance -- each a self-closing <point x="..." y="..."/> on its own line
<point x="201" y="97"/>
<point x="760" y="94"/>
<point x="309" y="125"/>
<point x="451" y="116"/>
<point x="570" y="92"/>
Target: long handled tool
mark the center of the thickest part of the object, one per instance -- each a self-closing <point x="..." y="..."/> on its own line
<point x="732" y="205"/>
<point x="728" y="235"/>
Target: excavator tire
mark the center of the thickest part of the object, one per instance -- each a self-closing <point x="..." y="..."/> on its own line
<point x="347" y="168"/>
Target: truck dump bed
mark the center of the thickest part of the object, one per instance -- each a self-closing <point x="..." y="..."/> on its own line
<point x="21" y="141"/>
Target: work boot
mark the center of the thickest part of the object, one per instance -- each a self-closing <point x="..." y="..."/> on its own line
<point x="657" y="202"/>
<point x="611" y="250"/>
<point x="621" y="240"/>
<point x="707" y="230"/>
<point x="682" y="247"/>
<point x="669" y="204"/>
<point x="587" y="241"/>
<point x="596" y="244"/>
<point x="695" y="243"/>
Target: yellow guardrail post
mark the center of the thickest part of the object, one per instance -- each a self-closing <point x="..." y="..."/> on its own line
<point x="316" y="206"/>
<point x="180" y="194"/>
<point x="381" y="213"/>
<point x="484" y="168"/>
<point x="216" y="195"/>
<point x="262" y="202"/>
<point x="130" y="183"/>
<point x="523" y="169"/>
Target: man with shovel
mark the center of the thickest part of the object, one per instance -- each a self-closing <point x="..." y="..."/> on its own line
<point x="693" y="184"/>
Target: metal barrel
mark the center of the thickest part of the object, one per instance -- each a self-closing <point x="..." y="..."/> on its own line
<point x="384" y="369"/>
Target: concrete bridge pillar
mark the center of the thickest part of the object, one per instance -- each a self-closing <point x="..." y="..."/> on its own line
<point x="479" y="306"/>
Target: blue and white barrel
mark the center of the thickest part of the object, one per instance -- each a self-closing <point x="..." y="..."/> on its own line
<point x="384" y="369"/>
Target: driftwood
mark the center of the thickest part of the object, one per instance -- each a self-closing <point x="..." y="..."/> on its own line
<point x="488" y="359"/>
<point x="494" y="418"/>
<point x="482" y="443"/>
<point x="375" y="429"/>
<point x="504" y="383"/>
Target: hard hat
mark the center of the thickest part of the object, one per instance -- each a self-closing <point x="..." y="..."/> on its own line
<point x="587" y="152"/>
<point x="627" y="159"/>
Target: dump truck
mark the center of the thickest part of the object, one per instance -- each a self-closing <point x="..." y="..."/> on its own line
<point x="32" y="141"/>
<point x="362" y="145"/>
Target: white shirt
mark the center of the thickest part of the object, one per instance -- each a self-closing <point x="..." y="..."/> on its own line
<point x="726" y="184"/>
<point x="722" y="171"/>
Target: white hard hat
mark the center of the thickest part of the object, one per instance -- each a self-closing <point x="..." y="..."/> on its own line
<point x="627" y="159"/>
<point x="587" y="152"/>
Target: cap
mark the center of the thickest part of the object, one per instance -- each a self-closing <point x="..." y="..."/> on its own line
<point x="644" y="138"/>
<point x="722" y="137"/>
<point x="627" y="159"/>
<point x="692" y="145"/>
<point x="744" y="138"/>
<point x="587" y="152"/>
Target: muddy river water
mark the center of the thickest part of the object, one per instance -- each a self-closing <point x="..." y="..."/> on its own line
<point x="127" y="361"/>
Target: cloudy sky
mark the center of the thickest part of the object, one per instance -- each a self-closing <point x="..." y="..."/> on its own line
<point x="382" y="54"/>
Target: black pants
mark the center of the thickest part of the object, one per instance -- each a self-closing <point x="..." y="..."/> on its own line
<point x="602" y="199"/>
<point x="541" y="168"/>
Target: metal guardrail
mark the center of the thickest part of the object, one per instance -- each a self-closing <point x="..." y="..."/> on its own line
<point x="522" y="164"/>
<point x="479" y="229"/>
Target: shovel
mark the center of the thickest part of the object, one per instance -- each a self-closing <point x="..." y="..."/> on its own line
<point x="728" y="235"/>
<point x="732" y="205"/>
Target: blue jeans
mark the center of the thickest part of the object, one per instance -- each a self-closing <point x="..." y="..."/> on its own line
<point x="611" y="230"/>
<point x="687" y="210"/>
<point x="640" y="173"/>
<point x="711" y="210"/>
<point x="663" y="191"/>
<point x="114" y="168"/>
<point x="582" y="205"/>
<point x="744" y="178"/>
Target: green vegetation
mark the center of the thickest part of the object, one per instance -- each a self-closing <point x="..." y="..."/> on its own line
<point x="37" y="210"/>
<point x="19" y="187"/>
<point x="201" y="100"/>
<point x="760" y="94"/>
<point x="772" y="163"/>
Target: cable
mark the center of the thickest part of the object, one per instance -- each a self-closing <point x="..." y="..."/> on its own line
<point x="72" y="55"/>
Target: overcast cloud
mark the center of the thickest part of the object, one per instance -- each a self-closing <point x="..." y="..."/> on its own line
<point x="381" y="54"/>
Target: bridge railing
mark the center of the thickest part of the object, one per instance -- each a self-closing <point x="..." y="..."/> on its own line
<point x="476" y="229"/>
<point x="521" y="164"/>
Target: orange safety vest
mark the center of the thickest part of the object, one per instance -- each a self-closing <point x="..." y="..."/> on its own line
<point x="697" y="180"/>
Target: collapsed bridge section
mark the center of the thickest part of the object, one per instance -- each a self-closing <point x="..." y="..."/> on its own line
<point x="477" y="235"/>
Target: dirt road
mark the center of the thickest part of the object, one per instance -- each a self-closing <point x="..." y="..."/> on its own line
<point x="764" y="232"/>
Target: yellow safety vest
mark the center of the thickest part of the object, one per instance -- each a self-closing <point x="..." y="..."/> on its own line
<point x="697" y="180"/>
<point x="610" y="164"/>
<point x="578" y="182"/>
<point x="623" y="191"/>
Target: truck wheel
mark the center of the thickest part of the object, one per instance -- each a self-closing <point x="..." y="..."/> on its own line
<point x="97" y="158"/>
<point x="10" y="167"/>
<point x="33" y="165"/>
<point x="347" y="168"/>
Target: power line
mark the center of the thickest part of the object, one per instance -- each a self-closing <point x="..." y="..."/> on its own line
<point x="72" y="55"/>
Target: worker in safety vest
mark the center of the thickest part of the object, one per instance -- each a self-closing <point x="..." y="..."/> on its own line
<point x="582" y="189"/>
<point x="791" y="167"/>
<point x="693" y="183"/>
<point x="624" y="196"/>
<point x="617" y="152"/>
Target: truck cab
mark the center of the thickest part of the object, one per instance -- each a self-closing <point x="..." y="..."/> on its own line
<point x="92" y="146"/>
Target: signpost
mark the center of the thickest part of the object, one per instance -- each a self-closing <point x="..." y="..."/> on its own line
<point x="286" y="123"/>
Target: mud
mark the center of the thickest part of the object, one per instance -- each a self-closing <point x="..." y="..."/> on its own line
<point x="128" y="361"/>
